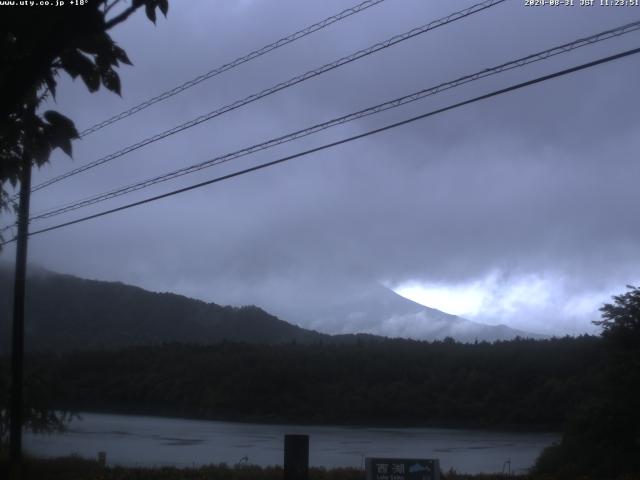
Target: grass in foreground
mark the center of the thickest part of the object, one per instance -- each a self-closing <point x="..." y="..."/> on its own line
<point x="75" y="468"/>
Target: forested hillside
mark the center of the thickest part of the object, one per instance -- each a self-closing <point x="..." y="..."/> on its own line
<point x="516" y="384"/>
<point x="66" y="313"/>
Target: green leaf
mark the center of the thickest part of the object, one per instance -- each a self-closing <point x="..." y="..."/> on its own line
<point x="76" y="63"/>
<point x="91" y="79"/>
<point x="61" y="123"/>
<point x="150" y="10"/>
<point x="95" y="44"/>
<point x="121" y="55"/>
<point x="164" y="6"/>
<point x="60" y="131"/>
<point x="61" y="141"/>
<point x="111" y="81"/>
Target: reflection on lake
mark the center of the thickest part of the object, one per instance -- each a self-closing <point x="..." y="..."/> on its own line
<point x="149" y="441"/>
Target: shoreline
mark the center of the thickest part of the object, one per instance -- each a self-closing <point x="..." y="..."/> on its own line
<point x="273" y="421"/>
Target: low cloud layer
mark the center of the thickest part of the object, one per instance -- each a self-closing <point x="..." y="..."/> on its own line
<point x="527" y="201"/>
<point x="545" y="302"/>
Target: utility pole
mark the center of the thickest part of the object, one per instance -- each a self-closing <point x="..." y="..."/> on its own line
<point x="17" y="346"/>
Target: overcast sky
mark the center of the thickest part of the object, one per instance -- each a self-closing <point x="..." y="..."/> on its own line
<point x="522" y="209"/>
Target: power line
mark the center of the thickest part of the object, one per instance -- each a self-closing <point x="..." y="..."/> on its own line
<point x="346" y="140"/>
<point x="280" y="86"/>
<point x="234" y="63"/>
<point x="520" y="62"/>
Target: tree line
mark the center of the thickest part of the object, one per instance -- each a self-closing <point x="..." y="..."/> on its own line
<point x="522" y="384"/>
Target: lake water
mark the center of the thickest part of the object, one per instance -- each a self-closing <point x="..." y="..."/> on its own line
<point x="152" y="441"/>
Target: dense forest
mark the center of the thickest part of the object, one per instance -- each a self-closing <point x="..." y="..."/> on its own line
<point x="524" y="384"/>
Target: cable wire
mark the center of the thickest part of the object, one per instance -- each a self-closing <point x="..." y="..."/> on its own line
<point x="520" y="62"/>
<point x="280" y="86"/>
<point x="234" y="63"/>
<point x="345" y="140"/>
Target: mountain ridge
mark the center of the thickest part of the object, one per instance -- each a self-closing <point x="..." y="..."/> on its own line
<point x="67" y="313"/>
<point x="125" y="315"/>
<point x="379" y="310"/>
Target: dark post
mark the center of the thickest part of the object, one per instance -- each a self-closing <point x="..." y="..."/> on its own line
<point x="17" y="346"/>
<point x="296" y="457"/>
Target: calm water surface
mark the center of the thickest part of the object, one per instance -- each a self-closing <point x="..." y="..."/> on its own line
<point x="153" y="441"/>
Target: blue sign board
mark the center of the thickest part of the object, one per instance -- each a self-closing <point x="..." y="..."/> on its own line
<point x="402" y="469"/>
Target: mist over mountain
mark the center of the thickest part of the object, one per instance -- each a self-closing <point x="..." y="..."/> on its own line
<point x="378" y="310"/>
<point x="69" y="313"/>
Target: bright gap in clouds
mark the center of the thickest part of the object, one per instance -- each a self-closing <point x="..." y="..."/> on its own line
<point x="493" y="293"/>
<point x="542" y="303"/>
<point x="457" y="300"/>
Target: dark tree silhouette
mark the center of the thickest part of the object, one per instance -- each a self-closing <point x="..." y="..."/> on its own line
<point x="621" y="319"/>
<point x="621" y="331"/>
<point x="36" y="44"/>
<point x="602" y="437"/>
<point x="40" y="390"/>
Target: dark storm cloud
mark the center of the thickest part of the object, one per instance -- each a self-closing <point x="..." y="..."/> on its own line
<point x="539" y="182"/>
